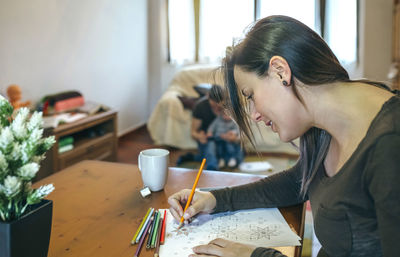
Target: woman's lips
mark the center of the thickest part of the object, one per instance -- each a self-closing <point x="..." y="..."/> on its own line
<point x="270" y="124"/>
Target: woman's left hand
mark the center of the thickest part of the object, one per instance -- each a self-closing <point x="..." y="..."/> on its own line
<point x="223" y="248"/>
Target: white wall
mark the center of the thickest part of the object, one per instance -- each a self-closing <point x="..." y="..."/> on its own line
<point x="160" y="71"/>
<point x="98" y="47"/>
<point x="115" y="51"/>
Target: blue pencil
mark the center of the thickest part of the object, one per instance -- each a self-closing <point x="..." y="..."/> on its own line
<point x="144" y="226"/>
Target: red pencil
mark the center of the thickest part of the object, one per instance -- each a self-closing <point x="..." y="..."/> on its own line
<point x="163" y="228"/>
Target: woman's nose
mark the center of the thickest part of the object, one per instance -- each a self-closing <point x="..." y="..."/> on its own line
<point x="255" y="116"/>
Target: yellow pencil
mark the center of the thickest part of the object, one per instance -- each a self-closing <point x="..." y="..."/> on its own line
<point x="192" y="193"/>
<point x="140" y="227"/>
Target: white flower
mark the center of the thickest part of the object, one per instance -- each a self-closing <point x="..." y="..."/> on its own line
<point x="49" y="141"/>
<point x="38" y="158"/>
<point x="43" y="191"/>
<point x="3" y="163"/>
<point x="36" y="134"/>
<point x="21" y="149"/>
<point x="36" y="195"/>
<point x="18" y="125"/>
<point x="6" y="138"/>
<point x="35" y="122"/>
<point x="25" y="152"/>
<point x="6" y="111"/>
<point x="12" y="186"/>
<point x="28" y="171"/>
<point x="16" y="152"/>
<point x="22" y="115"/>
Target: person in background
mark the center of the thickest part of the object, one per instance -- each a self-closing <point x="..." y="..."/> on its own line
<point x="284" y="75"/>
<point x="224" y="133"/>
<point x="204" y="112"/>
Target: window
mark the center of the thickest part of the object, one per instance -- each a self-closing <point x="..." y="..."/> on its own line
<point x="304" y="10"/>
<point x="341" y="33"/>
<point x="221" y="22"/>
<point x="200" y="30"/>
<point x="182" y="46"/>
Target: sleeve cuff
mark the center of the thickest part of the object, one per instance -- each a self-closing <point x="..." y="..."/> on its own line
<point x="266" y="252"/>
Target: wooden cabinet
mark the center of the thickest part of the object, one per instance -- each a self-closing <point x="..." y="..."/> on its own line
<point x="396" y="41"/>
<point x="95" y="138"/>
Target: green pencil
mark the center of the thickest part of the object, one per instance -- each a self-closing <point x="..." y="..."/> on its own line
<point x="151" y="233"/>
<point x="154" y="236"/>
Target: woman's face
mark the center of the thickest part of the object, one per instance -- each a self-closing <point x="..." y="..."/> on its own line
<point x="272" y="103"/>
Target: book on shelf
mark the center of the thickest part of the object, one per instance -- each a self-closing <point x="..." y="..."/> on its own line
<point x="65" y="148"/>
<point x="65" y="144"/>
<point x="91" y="108"/>
<point x="54" y="120"/>
<point x="66" y="140"/>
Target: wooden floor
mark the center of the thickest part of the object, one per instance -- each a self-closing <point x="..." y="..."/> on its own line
<point x="130" y="145"/>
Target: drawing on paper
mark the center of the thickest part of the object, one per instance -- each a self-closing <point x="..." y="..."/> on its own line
<point x="260" y="227"/>
<point x="257" y="233"/>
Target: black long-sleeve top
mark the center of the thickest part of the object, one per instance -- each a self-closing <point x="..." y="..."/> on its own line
<point x="357" y="211"/>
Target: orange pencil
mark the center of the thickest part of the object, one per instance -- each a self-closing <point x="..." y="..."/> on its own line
<point x="192" y="193"/>
<point x="163" y="228"/>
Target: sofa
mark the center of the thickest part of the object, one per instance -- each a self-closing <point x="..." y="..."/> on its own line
<point x="169" y="123"/>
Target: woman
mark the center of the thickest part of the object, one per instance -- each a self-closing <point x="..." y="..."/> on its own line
<point x="284" y="75"/>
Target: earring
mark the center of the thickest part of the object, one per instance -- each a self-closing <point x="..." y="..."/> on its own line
<point x="285" y="83"/>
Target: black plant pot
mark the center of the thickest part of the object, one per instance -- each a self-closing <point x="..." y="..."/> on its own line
<point x="29" y="235"/>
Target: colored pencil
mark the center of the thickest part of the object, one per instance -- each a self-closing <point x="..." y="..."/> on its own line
<point x="140" y="227"/>
<point x="163" y="227"/>
<point x="154" y="236"/>
<point x="157" y="251"/>
<point x="142" y="238"/>
<point x="192" y="193"/>
<point x="149" y="237"/>
<point x="148" y="245"/>
<point x="144" y="226"/>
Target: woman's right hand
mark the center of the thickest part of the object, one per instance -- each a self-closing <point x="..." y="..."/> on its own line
<point x="201" y="202"/>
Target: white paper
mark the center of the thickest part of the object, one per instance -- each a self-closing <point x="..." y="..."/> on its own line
<point x="255" y="166"/>
<point x="53" y="120"/>
<point x="259" y="227"/>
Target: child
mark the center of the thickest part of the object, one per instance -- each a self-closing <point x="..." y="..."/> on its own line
<point x="225" y="134"/>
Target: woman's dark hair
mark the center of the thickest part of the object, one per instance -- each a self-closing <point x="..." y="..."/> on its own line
<point x="311" y="61"/>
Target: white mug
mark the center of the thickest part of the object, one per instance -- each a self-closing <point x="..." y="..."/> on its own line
<point x="153" y="164"/>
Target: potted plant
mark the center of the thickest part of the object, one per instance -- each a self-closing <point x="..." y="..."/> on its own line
<point x="25" y="217"/>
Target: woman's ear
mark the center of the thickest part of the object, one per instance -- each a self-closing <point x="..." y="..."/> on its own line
<point x="279" y="67"/>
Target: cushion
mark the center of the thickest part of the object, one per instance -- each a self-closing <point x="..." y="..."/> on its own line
<point x="188" y="102"/>
<point x="202" y="89"/>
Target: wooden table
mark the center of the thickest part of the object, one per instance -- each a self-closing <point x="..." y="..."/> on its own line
<point x="98" y="207"/>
